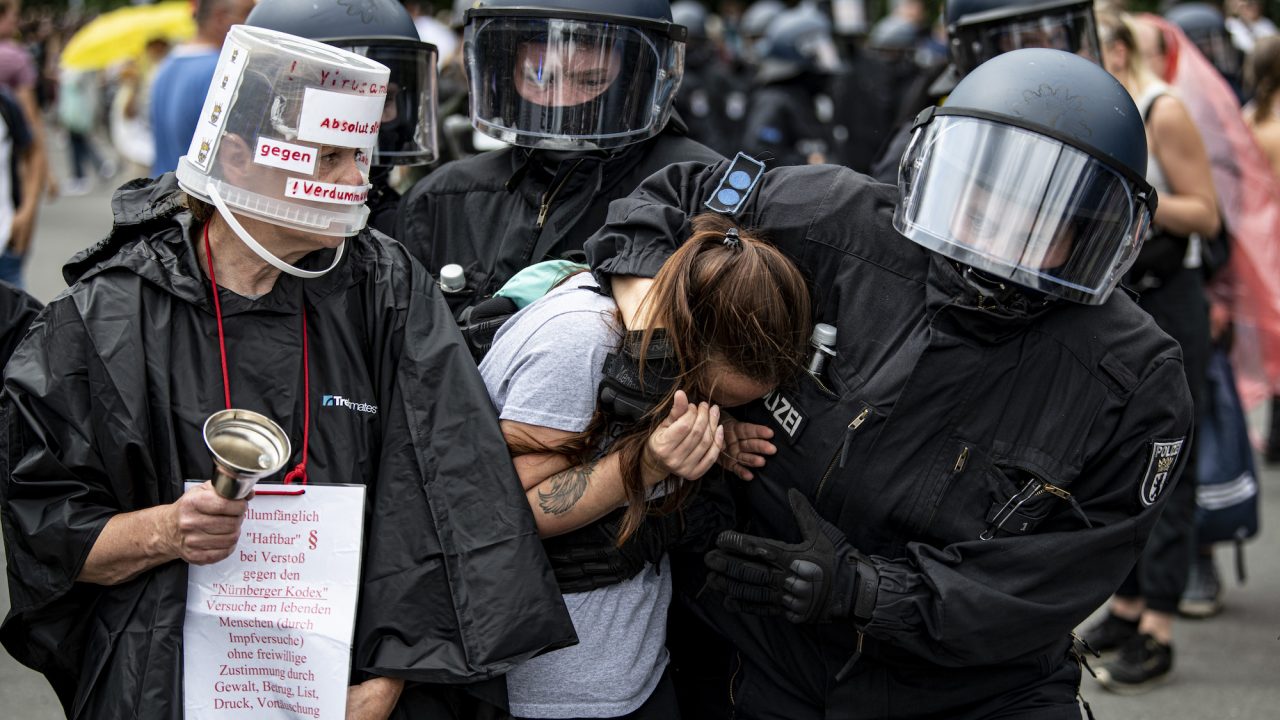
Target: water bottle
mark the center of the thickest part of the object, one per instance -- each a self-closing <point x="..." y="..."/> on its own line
<point x="452" y="278"/>
<point x="823" y="341"/>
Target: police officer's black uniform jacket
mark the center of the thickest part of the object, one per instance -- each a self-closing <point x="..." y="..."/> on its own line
<point x="501" y="211"/>
<point x="104" y="404"/>
<point x="938" y="410"/>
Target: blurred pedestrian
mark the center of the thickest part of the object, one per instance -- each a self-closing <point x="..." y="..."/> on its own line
<point x="183" y="79"/>
<point x="1247" y="24"/>
<point x="79" y="96"/>
<point x="130" y="114"/>
<point x="1139" y="623"/>
<point x="18" y="76"/>
<point x="19" y="180"/>
<point x="1262" y="75"/>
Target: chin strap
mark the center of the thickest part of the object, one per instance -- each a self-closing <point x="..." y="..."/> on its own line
<point x="262" y="252"/>
<point x="996" y="293"/>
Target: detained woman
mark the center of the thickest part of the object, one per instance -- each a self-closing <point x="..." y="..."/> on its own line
<point x="735" y="316"/>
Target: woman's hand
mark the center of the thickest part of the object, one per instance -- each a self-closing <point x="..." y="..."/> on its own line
<point x="686" y="444"/>
<point x="746" y="446"/>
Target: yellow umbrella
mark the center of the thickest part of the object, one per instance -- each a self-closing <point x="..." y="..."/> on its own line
<point x="123" y="34"/>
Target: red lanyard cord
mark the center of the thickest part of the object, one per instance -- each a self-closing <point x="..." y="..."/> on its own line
<point x="299" y="471"/>
<point x="217" y="309"/>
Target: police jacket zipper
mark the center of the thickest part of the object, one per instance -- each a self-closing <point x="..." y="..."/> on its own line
<point x="843" y="455"/>
<point x="549" y="196"/>
<point x="956" y="468"/>
<point x="1033" y="489"/>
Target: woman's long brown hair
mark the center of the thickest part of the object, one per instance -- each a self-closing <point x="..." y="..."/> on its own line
<point x="1262" y="76"/>
<point x="737" y="305"/>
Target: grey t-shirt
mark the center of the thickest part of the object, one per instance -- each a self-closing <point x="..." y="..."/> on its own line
<point x="544" y="369"/>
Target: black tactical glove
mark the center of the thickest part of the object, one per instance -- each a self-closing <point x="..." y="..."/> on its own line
<point x="820" y="579"/>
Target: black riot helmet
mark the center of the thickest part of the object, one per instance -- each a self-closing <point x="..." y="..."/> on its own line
<point x="757" y="18"/>
<point x="693" y="16"/>
<point x="754" y="23"/>
<point x="982" y="29"/>
<point x="1033" y="172"/>
<point x="380" y="30"/>
<point x="1205" y="26"/>
<point x="798" y="41"/>
<point x="572" y="74"/>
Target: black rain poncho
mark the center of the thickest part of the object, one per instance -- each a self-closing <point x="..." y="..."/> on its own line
<point x="105" y="400"/>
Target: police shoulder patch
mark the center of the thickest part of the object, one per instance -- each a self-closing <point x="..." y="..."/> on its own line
<point x="1164" y="456"/>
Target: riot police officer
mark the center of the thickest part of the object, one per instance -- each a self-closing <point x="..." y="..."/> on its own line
<point x="382" y="31"/>
<point x="979" y="30"/>
<point x="981" y="462"/>
<point x="789" y="116"/>
<point x="1207" y="28"/>
<point x="712" y="98"/>
<point x="582" y="91"/>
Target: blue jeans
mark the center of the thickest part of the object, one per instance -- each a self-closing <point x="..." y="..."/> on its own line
<point x="11" y="268"/>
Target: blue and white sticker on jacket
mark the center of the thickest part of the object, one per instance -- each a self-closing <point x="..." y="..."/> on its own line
<point x="1164" y="456"/>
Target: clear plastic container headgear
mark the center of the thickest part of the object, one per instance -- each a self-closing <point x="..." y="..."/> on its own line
<point x="287" y="132"/>
<point x="569" y="80"/>
<point x="1022" y="205"/>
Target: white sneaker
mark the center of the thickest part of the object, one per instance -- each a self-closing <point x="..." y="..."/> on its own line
<point x="75" y="187"/>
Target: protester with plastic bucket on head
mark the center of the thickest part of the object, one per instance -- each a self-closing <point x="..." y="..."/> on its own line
<point x="383" y="32"/>
<point x="989" y="446"/>
<point x="583" y="90"/>
<point x="249" y="282"/>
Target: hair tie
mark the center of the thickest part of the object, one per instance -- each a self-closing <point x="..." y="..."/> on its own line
<point x="731" y="239"/>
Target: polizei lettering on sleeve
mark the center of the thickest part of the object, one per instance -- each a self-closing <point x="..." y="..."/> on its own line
<point x="342" y="119"/>
<point x="286" y="156"/>
<point x="326" y="192"/>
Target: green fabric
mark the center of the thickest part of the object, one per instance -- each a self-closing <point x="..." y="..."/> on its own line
<point x="537" y="280"/>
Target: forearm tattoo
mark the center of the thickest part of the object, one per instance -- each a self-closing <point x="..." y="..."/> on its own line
<point x="565" y="489"/>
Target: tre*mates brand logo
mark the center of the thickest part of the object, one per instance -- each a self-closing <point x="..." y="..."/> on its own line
<point x="339" y="401"/>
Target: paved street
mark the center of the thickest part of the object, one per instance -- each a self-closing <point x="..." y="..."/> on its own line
<point x="1225" y="668"/>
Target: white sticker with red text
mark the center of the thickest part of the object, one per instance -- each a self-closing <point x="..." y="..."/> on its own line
<point x="341" y="119"/>
<point x="286" y="156"/>
<point x="326" y="192"/>
<point x="268" y="630"/>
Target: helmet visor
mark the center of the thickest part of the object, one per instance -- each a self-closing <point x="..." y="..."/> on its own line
<point x="1021" y="206"/>
<point x="977" y="39"/>
<point x="408" y="132"/>
<point x="569" y="84"/>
